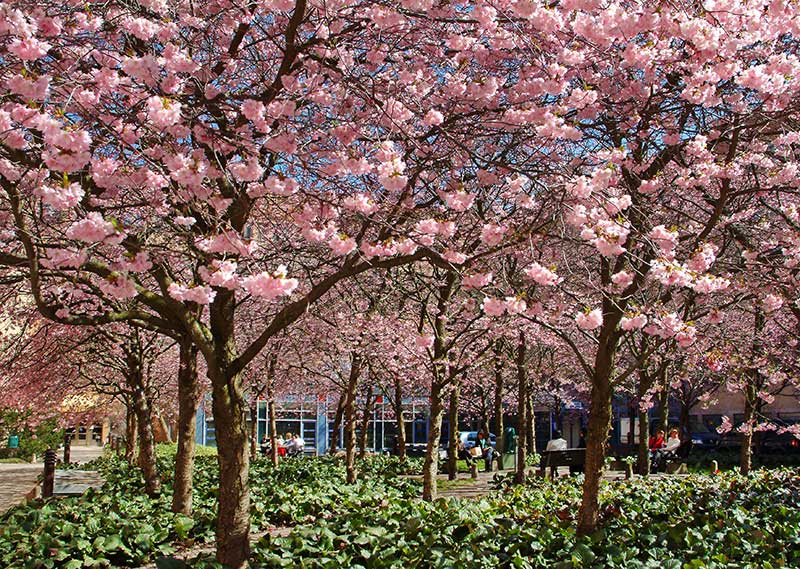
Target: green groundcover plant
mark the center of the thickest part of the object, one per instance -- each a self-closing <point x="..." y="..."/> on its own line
<point x="671" y="522"/>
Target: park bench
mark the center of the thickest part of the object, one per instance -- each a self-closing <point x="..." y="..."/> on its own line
<point x="554" y="458"/>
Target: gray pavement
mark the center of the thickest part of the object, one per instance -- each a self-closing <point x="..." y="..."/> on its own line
<point x="18" y="481"/>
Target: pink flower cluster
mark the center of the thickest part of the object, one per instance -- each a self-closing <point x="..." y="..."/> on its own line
<point x="589" y="320"/>
<point x="542" y="275"/>
<point x="221" y="274"/>
<point x="361" y="203"/>
<point x="498" y="307"/>
<point x="197" y="294"/>
<point x="342" y="245"/>
<point x="270" y="286"/>
<point x="61" y="197"/>
<point x="119" y="287"/>
<point x="477" y="280"/>
<point x="391" y="167"/>
<point x="92" y="229"/>
<point x="163" y="112"/>
<point x="458" y="201"/>
<point x="424" y="341"/>
<point x="492" y="234"/>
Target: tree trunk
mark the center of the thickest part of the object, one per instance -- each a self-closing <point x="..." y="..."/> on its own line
<point x="498" y="399"/>
<point x="431" y="465"/>
<point x="663" y="407"/>
<point x="350" y="417"/>
<point x="750" y="394"/>
<point x="530" y="419"/>
<point x="233" y="518"/>
<point x="131" y="431"/>
<point x="337" y="425"/>
<point x="684" y="426"/>
<point x="597" y="435"/>
<point x="365" y="418"/>
<point x="452" y="443"/>
<point x="188" y="401"/>
<point x="254" y="428"/>
<point x="746" y="458"/>
<point x="147" y="445"/>
<point x="272" y="424"/>
<point x="643" y="459"/>
<point x="522" y="408"/>
<point x="401" y="423"/>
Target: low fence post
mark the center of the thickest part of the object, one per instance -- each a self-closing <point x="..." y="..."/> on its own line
<point x="49" y="473"/>
<point x="67" y="448"/>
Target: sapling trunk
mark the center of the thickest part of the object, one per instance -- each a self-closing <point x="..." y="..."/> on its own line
<point x="188" y="401"/>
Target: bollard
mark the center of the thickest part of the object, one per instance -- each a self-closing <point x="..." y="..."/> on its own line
<point x="628" y="470"/>
<point x="49" y="473"/>
<point x="67" y="448"/>
<point x="473" y="469"/>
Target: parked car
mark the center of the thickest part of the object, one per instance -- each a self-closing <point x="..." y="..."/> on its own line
<point x="470" y="439"/>
<point x="705" y="441"/>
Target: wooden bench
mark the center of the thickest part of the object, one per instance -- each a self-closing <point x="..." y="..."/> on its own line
<point x="554" y="458"/>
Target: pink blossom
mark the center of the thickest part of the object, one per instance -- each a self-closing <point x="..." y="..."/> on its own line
<point x="424" y="341"/>
<point x="139" y="263"/>
<point x="622" y="279"/>
<point x="341" y="244"/>
<point x="270" y="286"/>
<point x="118" y="287"/>
<point x="227" y="242"/>
<point x="635" y="322"/>
<point x="92" y="229"/>
<point x="274" y="185"/>
<point x="772" y="302"/>
<point x="492" y="234"/>
<point x="427" y="227"/>
<point x="703" y="258"/>
<point x="185" y="221"/>
<point x="61" y="197"/>
<point x="406" y="247"/>
<point x="542" y="275"/>
<point x="665" y="239"/>
<point x="61" y="258"/>
<point x="589" y="320"/>
<point x="433" y="117"/>
<point x="221" y="274"/>
<point x="454" y="257"/>
<point x="477" y="280"/>
<point x="686" y="337"/>
<point x="196" y="294"/>
<point x="28" y="48"/>
<point x="459" y="201"/>
<point x="515" y="305"/>
<point x="247" y="171"/>
<point x="725" y="426"/>
<point x="362" y="203"/>
<point x="493" y="306"/>
<point x="163" y="112"/>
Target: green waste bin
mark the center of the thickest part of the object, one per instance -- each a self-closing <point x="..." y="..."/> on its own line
<point x="13" y="441"/>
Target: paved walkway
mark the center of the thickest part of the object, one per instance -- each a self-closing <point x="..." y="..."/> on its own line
<point x="17" y="481"/>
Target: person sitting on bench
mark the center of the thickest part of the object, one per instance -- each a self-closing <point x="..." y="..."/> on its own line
<point x="556" y="443"/>
<point x="668" y="451"/>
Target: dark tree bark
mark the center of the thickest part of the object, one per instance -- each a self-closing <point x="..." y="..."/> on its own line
<point x="365" y="418"/>
<point x="398" y="412"/>
<point x="350" y="417"/>
<point x="147" y="445"/>
<point x="452" y="442"/>
<point x="530" y="419"/>
<point x="131" y="437"/>
<point x="188" y="401"/>
<point x="333" y="447"/>
<point x="498" y="397"/>
<point x="750" y="394"/>
<point x="522" y="407"/>
<point x="431" y="465"/>
<point x="599" y="420"/>
<point x="271" y="415"/>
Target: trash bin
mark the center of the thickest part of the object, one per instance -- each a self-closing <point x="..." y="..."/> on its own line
<point x="13" y="441"/>
<point x="509" y="452"/>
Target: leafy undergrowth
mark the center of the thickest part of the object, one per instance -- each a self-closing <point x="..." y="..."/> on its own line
<point x="699" y="521"/>
<point x="119" y="526"/>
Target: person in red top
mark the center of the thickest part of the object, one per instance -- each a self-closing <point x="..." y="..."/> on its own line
<point x="657" y="441"/>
